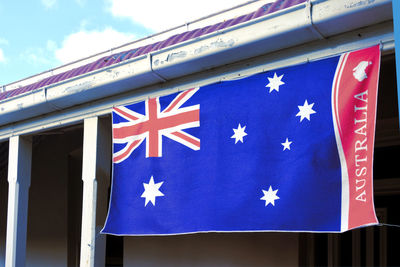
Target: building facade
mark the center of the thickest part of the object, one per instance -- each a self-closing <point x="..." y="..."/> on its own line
<point x="55" y="134"/>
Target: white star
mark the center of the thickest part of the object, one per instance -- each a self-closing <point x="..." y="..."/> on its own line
<point x="270" y="196"/>
<point x="239" y="133"/>
<point x="151" y="191"/>
<point x="286" y="145"/>
<point x="274" y="83"/>
<point x="305" y="111"/>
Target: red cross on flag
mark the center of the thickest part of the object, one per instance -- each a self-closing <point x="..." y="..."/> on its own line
<point x="154" y="124"/>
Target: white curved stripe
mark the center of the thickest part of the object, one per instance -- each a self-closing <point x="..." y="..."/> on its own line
<point x="344" y="225"/>
<point x="341" y="63"/>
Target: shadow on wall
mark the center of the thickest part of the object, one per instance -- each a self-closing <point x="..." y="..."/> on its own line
<point x="213" y="249"/>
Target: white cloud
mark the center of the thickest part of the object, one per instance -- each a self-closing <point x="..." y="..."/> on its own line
<point x="51" y="45"/>
<point x="3" y="41"/>
<point x="42" y="56"/>
<point x="2" y="58"/>
<point x="36" y="59"/>
<point x="86" y="43"/>
<point x="161" y="14"/>
<point x="81" y="3"/>
<point x="48" y="3"/>
<point x="84" y="23"/>
<point x="36" y="56"/>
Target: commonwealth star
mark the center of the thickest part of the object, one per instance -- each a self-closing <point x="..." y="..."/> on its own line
<point x="151" y="191"/>
<point x="270" y="196"/>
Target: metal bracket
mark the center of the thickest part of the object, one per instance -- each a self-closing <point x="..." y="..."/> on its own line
<point x="150" y="56"/>
<point x="314" y="29"/>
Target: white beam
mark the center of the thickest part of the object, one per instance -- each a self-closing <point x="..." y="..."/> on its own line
<point x="19" y="179"/>
<point x="96" y="176"/>
<point x="361" y="38"/>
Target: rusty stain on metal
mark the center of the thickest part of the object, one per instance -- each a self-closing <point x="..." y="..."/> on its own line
<point x="156" y="62"/>
<point x="171" y="57"/>
<point x="77" y="88"/>
<point x="112" y="74"/>
<point x="359" y="3"/>
<point x="201" y="49"/>
<point x="223" y="44"/>
<point x="219" y="43"/>
<point x="216" y="44"/>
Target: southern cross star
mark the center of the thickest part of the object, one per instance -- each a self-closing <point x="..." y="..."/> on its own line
<point x="239" y="133"/>
<point x="151" y="191"/>
<point x="287" y="144"/>
<point x="305" y="111"/>
<point x="270" y="196"/>
<point x="274" y="83"/>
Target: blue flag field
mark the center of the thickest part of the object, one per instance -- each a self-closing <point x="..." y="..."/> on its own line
<point x="284" y="150"/>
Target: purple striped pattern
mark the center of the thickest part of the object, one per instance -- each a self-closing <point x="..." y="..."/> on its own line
<point x="178" y="38"/>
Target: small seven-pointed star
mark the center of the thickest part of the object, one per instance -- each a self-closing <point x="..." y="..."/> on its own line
<point x="274" y="83"/>
<point x="270" y="196"/>
<point x="151" y="191"/>
<point x="305" y="111"/>
<point x="239" y="133"/>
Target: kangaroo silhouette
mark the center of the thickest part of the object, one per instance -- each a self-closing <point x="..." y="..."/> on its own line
<point x="359" y="71"/>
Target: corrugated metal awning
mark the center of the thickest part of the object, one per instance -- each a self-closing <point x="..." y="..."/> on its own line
<point x="129" y="54"/>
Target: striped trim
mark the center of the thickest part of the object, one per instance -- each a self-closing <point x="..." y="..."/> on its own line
<point x="116" y="58"/>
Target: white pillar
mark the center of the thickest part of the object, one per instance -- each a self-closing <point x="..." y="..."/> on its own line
<point x="96" y="176"/>
<point x="19" y="180"/>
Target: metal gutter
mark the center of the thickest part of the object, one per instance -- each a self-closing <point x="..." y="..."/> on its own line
<point x="223" y="15"/>
<point x="381" y="33"/>
<point x="132" y="50"/>
<point x="290" y="27"/>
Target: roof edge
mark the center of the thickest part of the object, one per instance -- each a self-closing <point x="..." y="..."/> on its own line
<point x="159" y="36"/>
<point x="290" y="27"/>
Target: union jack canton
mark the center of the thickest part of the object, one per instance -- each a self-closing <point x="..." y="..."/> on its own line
<point x="154" y="124"/>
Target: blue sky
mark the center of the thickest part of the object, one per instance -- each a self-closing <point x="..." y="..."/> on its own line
<point x="42" y="34"/>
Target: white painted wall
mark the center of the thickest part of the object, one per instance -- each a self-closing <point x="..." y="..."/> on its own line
<point x="209" y="250"/>
<point x="47" y="212"/>
<point x="47" y="233"/>
<point x="47" y="238"/>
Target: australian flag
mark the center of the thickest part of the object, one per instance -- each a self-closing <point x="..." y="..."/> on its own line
<point x="284" y="150"/>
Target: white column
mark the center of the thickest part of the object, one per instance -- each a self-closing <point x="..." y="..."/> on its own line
<point x="96" y="176"/>
<point x="19" y="180"/>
